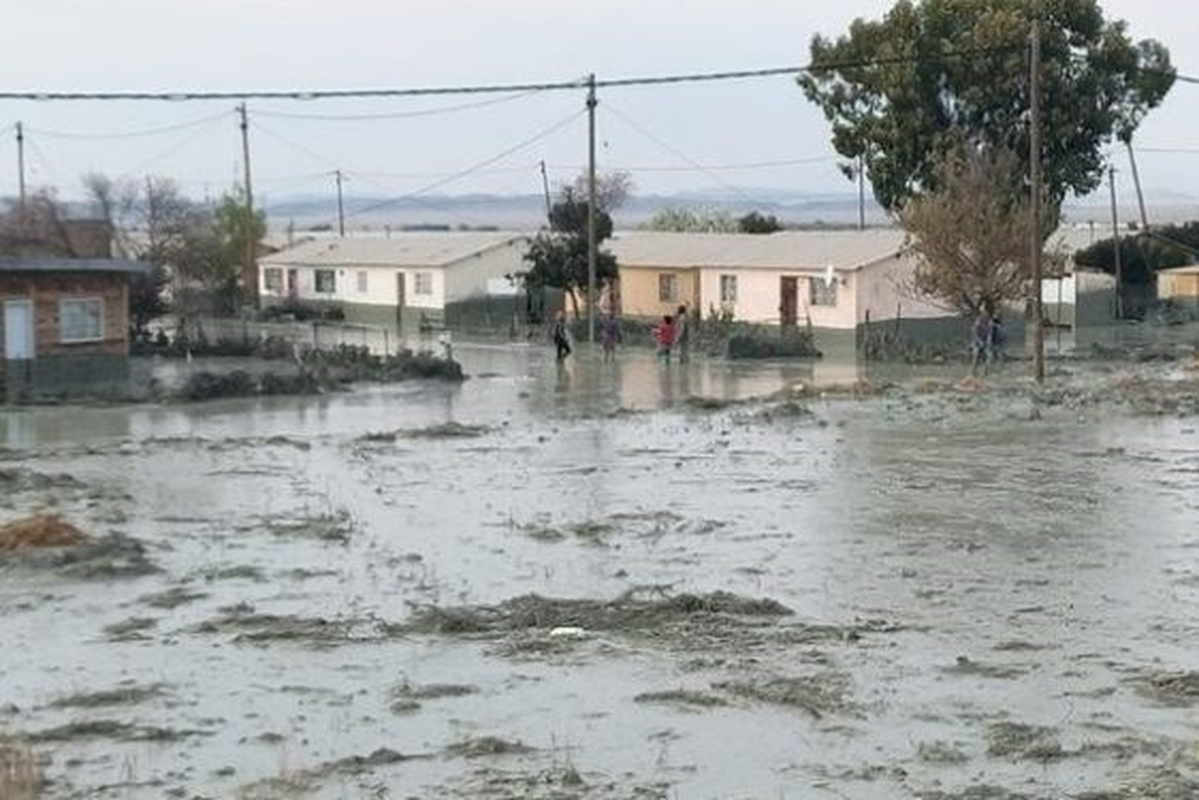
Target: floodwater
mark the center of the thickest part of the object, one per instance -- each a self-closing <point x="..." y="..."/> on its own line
<point x="990" y="599"/>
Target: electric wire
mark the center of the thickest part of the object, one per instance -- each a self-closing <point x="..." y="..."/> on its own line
<point x="53" y="134"/>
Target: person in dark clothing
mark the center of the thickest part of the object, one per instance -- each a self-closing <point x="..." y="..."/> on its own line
<point x="561" y="336"/>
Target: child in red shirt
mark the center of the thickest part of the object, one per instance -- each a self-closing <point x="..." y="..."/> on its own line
<point x="664" y="335"/>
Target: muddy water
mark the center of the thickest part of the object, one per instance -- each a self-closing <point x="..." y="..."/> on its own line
<point x="982" y="597"/>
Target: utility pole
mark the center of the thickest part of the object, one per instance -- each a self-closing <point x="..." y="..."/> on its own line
<point x="1034" y="146"/>
<point x="21" y="163"/>
<point x="1136" y="180"/>
<point x="545" y="190"/>
<point x="1111" y="180"/>
<point x="249" y="274"/>
<point x="341" y="211"/>
<point x="592" y="256"/>
<point x="861" y="193"/>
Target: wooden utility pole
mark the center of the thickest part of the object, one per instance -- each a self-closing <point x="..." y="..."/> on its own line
<point x="1035" y="244"/>
<point x="1136" y="181"/>
<point x="1111" y="180"/>
<point x="545" y="190"/>
<point x="249" y="274"/>
<point x="341" y="210"/>
<point x="592" y="255"/>
<point x="21" y="164"/>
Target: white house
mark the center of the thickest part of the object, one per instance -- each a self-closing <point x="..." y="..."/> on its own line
<point x="404" y="277"/>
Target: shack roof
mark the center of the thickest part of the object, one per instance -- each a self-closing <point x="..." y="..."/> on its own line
<point x="64" y="264"/>
<point x="400" y="250"/>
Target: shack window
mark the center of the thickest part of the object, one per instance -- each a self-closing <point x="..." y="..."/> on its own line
<point x="81" y="319"/>
<point x="728" y="288"/>
<point x="272" y="279"/>
<point x="668" y="287"/>
<point x="326" y="281"/>
<point x="422" y="283"/>
<point x="822" y="292"/>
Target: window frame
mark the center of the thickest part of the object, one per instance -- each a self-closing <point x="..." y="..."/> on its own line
<point x="422" y="284"/>
<point x="668" y="287"/>
<point x="728" y="282"/>
<point x="272" y="279"/>
<point x="98" y="302"/>
<point x="821" y="293"/>
<point x="363" y="278"/>
<point x="317" y="274"/>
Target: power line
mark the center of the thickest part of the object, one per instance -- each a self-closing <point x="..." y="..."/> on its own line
<point x="428" y="112"/>
<point x="128" y="134"/>
<point x="516" y="88"/>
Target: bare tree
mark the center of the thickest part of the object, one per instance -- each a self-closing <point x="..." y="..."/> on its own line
<point x="35" y="228"/>
<point x="972" y="233"/>
<point x="612" y="190"/>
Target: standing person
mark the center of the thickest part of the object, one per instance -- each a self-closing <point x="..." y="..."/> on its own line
<point x="610" y="334"/>
<point x="980" y="340"/>
<point x="561" y="336"/>
<point x="998" y="338"/>
<point x="682" y="334"/>
<point x="664" y="335"/>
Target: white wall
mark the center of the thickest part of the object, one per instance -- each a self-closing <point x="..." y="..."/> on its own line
<point x="759" y="296"/>
<point x="381" y="286"/>
<point x="468" y="277"/>
<point x="884" y="290"/>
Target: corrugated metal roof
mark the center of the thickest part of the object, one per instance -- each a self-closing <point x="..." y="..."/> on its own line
<point x="401" y="249"/>
<point x="62" y="264"/>
<point x="806" y="250"/>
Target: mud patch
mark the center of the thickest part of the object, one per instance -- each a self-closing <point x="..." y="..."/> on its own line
<point x="941" y="753"/>
<point x="983" y="792"/>
<point x="113" y="730"/>
<point x="40" y="531"/>
<point x="1162" y="784"/>
<point x="14" y="480"/>
<point x="967" y="667"/>
<point x="246" y="626"/>
<point x="820" y="694"/>
<point x="311" y="779"/>
<point x="120" y="696"/>
<point x="651" y="526"/>
<point x="1021" y="742"/>
<point x="485" y="746"/>
<point x="329" y="526"/>
<point x="130" y="630"/>
<point x="629" y="612"/>
<point x="446" y="430"/>
<point x="406" y="697"/>
<point x="682" y="698"/>
<point x="21" y="776"/>
<point x="1174" y="689"/>
<point x="171" y="598"/>
<point x="106" y="558"/>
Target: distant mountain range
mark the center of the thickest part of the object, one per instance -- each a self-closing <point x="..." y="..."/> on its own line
<point x="522" y="212"/>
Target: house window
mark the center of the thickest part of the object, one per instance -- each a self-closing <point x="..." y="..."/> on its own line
<point x="822" y="292"/>
<point x="326" y="281"/>
<point x="668" y="288"/>
<point x="272" y="279"/>
<point x="422" y="283"/>
<point x="728" y="289"/>
<point x="362" y="281"/>
<point x="81" y="320"/>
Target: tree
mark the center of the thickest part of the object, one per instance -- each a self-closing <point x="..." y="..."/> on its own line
<point x="755" y="222"/>
<point x="1143" y="254"/>
<point x="902" y="92"/>
<point x="692" y="220"/>
<point x="559" y="256"/>
<point x="971" y="233"/>
<point x="35" y="228"/>
<point x="612" y="189"/>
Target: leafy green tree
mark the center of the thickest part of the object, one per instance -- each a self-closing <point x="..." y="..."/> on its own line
<point x="903" y="91"/>
<point x="756" y="222"/>
<point x="612" y="189"/>
<point x="559" y="256"/>
<point x="1141" y="254"/>
<point x="239" y="234"/>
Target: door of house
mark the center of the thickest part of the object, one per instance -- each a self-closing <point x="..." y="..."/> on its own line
<point x="18" y="330"/>
<point x="788" y="300"/>
<point x="401" y="296"/>
<point x="293" y="284"/>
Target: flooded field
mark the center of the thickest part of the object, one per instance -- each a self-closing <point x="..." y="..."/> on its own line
<point x="615" y="581"/>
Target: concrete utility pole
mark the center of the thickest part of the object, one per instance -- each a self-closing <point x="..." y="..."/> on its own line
<point x="249" y="274"/>
<point x="341" y="210"/>
<point x="1034" y="156"/>
<point x="592" y="255"/>
<point x="1111" y="180"/>
<point x="21" y="163"/>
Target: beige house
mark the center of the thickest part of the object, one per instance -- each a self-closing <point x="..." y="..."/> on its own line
<point x="1180" y="284"/>
<point x="830" y="280"/>
<point x="405" y="277"/>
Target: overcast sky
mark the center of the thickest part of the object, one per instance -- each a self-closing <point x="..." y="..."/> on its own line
<point x="670" y="138"/>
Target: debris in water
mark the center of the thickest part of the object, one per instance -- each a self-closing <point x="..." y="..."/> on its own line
<point x="40" y="530"/>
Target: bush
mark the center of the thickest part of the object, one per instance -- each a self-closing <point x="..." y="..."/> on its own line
<point x="789" y="345"/>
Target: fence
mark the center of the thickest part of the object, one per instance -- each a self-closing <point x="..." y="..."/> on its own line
<point x="317" y="335"/>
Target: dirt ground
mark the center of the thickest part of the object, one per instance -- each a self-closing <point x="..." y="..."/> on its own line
<point x="617" y="580"/>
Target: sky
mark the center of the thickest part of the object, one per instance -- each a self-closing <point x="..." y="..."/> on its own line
<point x="743" y="138"/>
